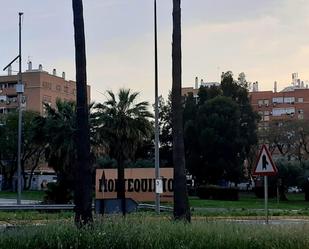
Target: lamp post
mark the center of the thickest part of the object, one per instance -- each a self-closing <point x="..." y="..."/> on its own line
<point x="157" y="164"/>
<point x="19" y="91"/>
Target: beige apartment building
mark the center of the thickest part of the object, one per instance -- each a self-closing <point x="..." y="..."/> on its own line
<point x="40" y="87"/>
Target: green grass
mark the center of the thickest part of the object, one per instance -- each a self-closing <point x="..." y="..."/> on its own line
<point x="143" y="232"/>
<point x="26" y="195"/>
<point x="28" y="217"/>
<point x="249" y="201"/>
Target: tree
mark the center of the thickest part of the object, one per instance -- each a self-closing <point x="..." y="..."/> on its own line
<point x="166" y="138"/>
<point x="123" y="124"/>
<point x="220" y="131"/>
<point x="181" y="203"/>
<point x="33" y="147"/>
<point x="218" y="123"/>
<point x="83" y="176"/>
<point x="58" y="129"/>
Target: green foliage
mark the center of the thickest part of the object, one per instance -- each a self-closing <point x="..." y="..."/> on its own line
<point x="58" y="130"/>
<point x="58" y="193"/>
<point x="220" y="131"/>
<point x="165" y="137"/>
<point x="32" y="144"/>
<point x="123" y="124"/>
<point x="291" y="172"/>
<point x="106" y="163"/>
<point x="143" y="233"/>
<point x="217" y="193"/>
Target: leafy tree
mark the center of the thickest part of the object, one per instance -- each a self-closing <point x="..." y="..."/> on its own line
<point x="218" y="125"/>
<point x="123" y="124"/>
<point x="32" y="146"/>
<point x="220" y="130"/>
<point x="83" y="176"/>
<point x="166" y="138"/>
<point x="181" y="203"/>
<point x="288" y="138"/>
<point x="290" y="173"/>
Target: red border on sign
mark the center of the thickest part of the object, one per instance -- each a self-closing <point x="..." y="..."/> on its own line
<point x="271" y="162"/>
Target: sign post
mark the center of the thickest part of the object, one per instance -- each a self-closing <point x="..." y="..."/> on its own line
<point x="265" y="167"/>
<point x="266" y="197"/>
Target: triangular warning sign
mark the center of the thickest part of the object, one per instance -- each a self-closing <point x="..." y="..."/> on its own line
<point x="264" y="164"/>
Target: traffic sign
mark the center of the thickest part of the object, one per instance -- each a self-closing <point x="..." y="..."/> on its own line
<point x="264" y="164"/>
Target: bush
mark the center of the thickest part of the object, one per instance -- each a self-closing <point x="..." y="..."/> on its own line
<point x="57" y="193"/>
<point x="306" y="190"/>
<point x="217" y="193"/>
<point x="259" y="192"/>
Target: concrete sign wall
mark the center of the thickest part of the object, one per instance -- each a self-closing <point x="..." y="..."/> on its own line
<point x="140" y="184"/>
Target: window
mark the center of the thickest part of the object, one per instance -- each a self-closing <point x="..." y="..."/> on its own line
<point x="66" y="89"/>
<point x="290" y="110"/>
<point x="283" y="111"/>
<point x="47" y="98"/>
<point x="266" y="113"/>
<point x="266" y="118"/>
<point x="300" y="100"/>
<point x="58" y="88"/>
<point x="2" y="98"/>
<point x="260" y="102"/>
<point x="278" y="100"/>
<point x="266" y="102"/>
<point x="47" y="85"/>
<point x="289" y="100"/>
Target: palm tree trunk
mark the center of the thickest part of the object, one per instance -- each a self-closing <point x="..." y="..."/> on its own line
<point x="181" y="203"/>
<point x="83" y="176"/>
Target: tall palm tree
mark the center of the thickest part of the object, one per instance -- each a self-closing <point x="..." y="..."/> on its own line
<point x="181" y="203"/>
<point x="58" y="130"/>
<point x="83" y="176"/>
<point x="123" y="124"/>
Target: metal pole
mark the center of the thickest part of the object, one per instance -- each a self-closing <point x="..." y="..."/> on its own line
<point x="157" y="164"/>
<point x="266" y="198"/>
<point x="20" y="96"/>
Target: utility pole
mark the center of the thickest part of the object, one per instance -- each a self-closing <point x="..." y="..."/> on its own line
<point x="19" y="91"/>
<point x="157" y="163"/>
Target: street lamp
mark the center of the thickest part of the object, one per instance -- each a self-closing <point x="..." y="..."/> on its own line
<point x="19" y="91"/>
<point x="157" y="163"/>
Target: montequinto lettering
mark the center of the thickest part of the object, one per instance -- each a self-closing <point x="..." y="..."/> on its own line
<point x="135" y="185"/>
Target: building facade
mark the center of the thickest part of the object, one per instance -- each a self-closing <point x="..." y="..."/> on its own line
<point x="40" y="87"/>
<point x="290" y="104"/>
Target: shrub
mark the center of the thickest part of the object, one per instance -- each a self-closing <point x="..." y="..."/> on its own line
<point x="259" y="192"/>
<point x="57" y="193"/>
<point x="217" y="193"/>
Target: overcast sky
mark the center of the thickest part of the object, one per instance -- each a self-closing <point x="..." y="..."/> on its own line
<point x="266" y="39"/>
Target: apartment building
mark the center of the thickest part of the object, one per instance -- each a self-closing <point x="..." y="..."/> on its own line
<point x="292" y="103"/>
<point x="40" y="87"/>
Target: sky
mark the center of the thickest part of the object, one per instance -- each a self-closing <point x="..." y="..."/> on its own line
<point x="268" y="40"/>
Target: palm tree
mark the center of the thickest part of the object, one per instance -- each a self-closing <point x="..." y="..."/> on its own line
<point x="123" y="124"/>
<point x="58" y="130"/>
<point x="181" y="203"/>
<point x="83" y="176"/>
